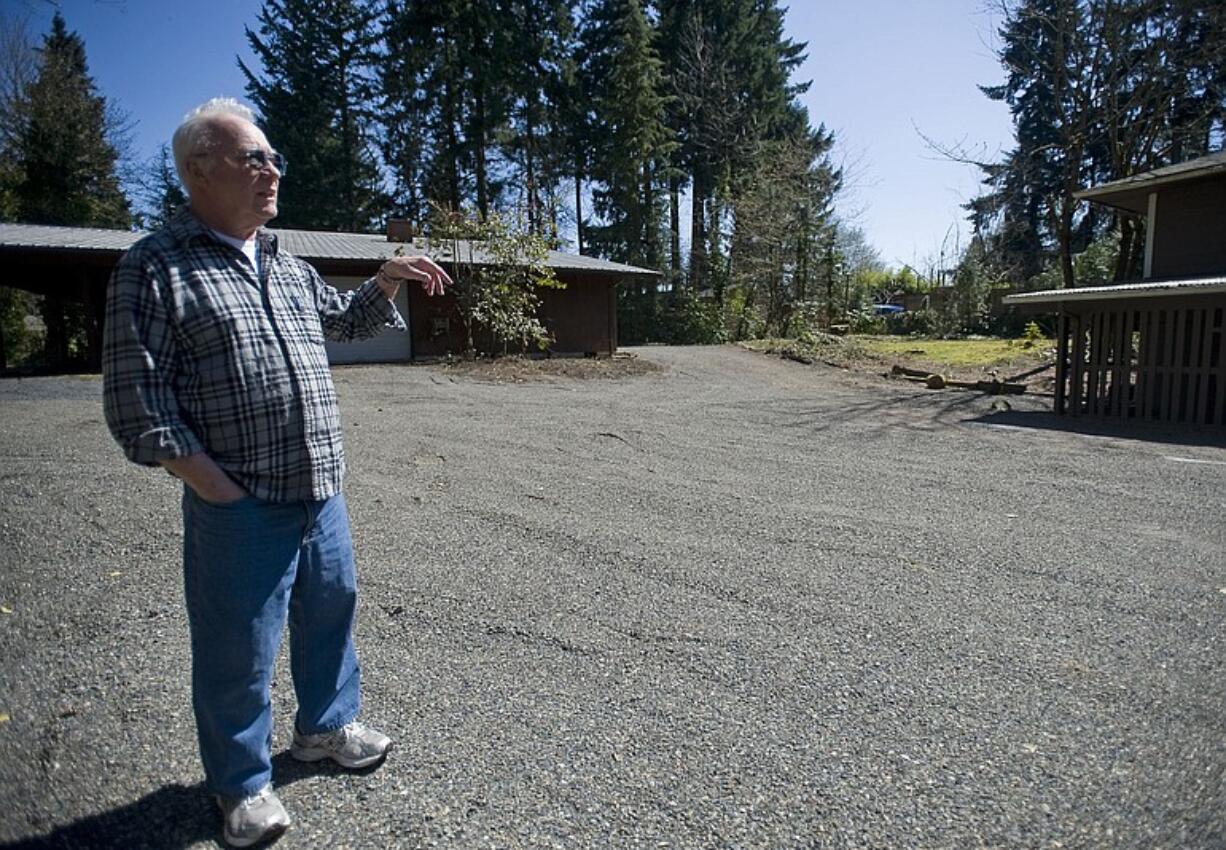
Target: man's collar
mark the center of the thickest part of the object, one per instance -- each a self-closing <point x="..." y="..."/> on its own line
<point x="190" y="230"/>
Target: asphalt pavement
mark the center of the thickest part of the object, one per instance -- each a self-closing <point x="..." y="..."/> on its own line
<point x="736" y="603"/>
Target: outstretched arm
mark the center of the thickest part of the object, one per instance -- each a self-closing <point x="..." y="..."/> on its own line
<point x="365" y="311"/>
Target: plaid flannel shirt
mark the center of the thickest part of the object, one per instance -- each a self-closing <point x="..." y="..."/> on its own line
<point x="201" y="355"/>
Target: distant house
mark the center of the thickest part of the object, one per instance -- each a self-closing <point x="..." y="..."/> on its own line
<point x="1153" y="349"/>
<point x="76" y="263"/>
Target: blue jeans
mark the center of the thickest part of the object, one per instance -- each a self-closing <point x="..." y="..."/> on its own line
<point x="247" y="566"/>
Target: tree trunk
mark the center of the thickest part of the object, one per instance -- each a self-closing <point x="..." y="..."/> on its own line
<point x="579" y="201"/>
<point x="698" y="233"/>
<point x="453" y="141"/>
<point x="651" y="233"/>
<point x="674" y="228"/>
<point x="534" y="223"/>
<point x="483" y="195"/>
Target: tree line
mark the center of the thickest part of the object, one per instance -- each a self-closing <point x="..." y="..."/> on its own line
<point x="593" y="120"/>
<point x="612" y="127"/>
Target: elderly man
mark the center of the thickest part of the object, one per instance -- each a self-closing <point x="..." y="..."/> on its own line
<point x="214" y="368"/>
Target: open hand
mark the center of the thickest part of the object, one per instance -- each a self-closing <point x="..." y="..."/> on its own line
<point x="420" y="268"/>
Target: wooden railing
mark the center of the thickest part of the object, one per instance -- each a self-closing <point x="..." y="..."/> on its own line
<point x="1163" y="361"/>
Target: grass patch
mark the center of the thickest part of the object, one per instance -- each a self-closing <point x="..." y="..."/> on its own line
<point x="958" y="353"/>
<point x="1025" y="360"/>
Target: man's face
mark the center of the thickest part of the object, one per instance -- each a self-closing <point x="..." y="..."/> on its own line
<point x="237" y="184"/>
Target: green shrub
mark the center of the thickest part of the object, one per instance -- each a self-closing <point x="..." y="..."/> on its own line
<point x="690" y="320"/>
<point x="1033" y="336"/>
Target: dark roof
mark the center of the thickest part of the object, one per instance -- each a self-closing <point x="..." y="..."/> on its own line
<point x="1144" y="289"/>
<point x="1132" y="193"/>
<point x="307" y="244"/>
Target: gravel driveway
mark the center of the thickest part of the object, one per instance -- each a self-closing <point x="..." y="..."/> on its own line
<point x="738" y="602"/>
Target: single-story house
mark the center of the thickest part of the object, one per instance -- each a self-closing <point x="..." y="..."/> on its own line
<point x="76" y="263"/>
<point x="1153" y="349"/>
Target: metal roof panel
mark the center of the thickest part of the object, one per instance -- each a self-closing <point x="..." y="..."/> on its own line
<point x="307" y="244"/>
<point x="1136" y="289"/>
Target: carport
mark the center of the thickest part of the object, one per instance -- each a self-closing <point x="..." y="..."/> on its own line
<point x="1151" y="349"/>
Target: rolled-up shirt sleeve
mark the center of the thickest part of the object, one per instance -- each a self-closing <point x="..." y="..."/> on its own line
<point x="356" y="314"/>
<point x="138" y="356"/>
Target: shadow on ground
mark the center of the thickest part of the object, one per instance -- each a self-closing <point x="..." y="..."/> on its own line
<point x="1179" y="435"/>
<point x="170" y="818"/>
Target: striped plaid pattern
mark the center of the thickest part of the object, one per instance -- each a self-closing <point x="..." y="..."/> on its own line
<point x="201" y="355"/>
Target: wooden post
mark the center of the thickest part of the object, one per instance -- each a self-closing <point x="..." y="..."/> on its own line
<point x="1175" y="405"/>
<point x="1219" y="415"/>
<point x="1147" y="362"/>
<point x="1062" y="364"/>
<point x="1078" y="384"/>
<point x="1124" y="368"/>
<point x="1173" y="335"/>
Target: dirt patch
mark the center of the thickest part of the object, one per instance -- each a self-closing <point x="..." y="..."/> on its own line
<point x="518" y="369"/>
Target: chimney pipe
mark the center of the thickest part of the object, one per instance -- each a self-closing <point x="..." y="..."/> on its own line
<point x="399" y="230"/>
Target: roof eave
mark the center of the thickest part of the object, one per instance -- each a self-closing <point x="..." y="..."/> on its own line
<point x="1117" y="193"/>
<point x="1160" y="289"/>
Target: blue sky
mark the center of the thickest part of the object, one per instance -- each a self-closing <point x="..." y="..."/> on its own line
<point x="884" y="71"/>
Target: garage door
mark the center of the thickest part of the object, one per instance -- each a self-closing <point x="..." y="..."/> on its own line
<point x="390" y="346"/>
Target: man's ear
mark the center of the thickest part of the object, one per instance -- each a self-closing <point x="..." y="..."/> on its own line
<point x="196" y="172"/>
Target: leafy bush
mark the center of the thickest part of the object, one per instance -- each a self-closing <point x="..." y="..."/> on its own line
<point x="806" y="321"/>
<point x="499" y="295"/>
<point x="690" y="320"/>
<point x="19" y="342"/>
<point x="676" y="318"/>
<point x="863" y="320"/>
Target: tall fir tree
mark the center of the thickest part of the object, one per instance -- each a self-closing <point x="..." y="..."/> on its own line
<point x="542" y="88"/>
<point x="314" y="98"/>
<point x="728" y="68"/>
<point x="405" y="108"/>
<point x="634" y="137"/>
<point x="68" y="164"/>
<point x="67" y="175"/>
<point x="445" y="66"/>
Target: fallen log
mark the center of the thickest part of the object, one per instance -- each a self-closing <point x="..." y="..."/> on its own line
<point x="992" y="387"/>
<point x="940" y="382"/>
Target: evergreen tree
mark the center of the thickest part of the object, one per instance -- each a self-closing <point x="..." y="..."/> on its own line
<point x="629" y="104"/>
<point x="542" y="88"/>
<point x="728" y="68"/>
<point x="405" y="109"/>
<point x="315" y="103"/>
<point x="160" y="190"/>
<point x="782" y="225"/>
<point x="445" y="68"/>
<point x="65" y="161"/>
<point x="68" y="164"/>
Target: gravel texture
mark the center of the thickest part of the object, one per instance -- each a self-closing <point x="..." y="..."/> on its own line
<point x="737" y="602"/>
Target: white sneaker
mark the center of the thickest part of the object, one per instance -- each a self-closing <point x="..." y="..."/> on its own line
<point x="250" y="820"/>
<point x="353" y="746"/>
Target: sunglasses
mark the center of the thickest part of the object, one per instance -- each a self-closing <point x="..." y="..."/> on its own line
<point x="259" y="160"/>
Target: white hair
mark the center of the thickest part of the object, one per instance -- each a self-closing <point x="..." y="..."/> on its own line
<point x="195" y="135"/>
